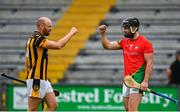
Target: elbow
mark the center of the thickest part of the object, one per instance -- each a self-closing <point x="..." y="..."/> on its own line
<point x="150" y="66"/>
<point x="106" y="46"/>
<point x="57" y="47"/>
<point x="60" y="46"/>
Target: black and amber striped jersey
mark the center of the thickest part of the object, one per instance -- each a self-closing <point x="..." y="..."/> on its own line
<point x="36" y="57"/>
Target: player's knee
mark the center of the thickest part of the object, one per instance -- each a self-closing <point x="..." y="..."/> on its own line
<point x="132" y="107"/>
<point x="53" y="106"/>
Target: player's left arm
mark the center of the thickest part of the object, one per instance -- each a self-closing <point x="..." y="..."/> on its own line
<point x="149" y="65"/>
<point x="148" y="57"/>
<point x="148" y="70"/>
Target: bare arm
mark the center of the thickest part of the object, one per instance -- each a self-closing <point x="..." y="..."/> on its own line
<point x="61" y="42"/>
<point x="148" y="70"/>
<point x="105" y="42"/>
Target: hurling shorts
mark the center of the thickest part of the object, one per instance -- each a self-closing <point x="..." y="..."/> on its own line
<point x="126" y="91"/>
<point x="40" y="90"/>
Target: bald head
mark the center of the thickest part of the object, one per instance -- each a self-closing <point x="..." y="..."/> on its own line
<point x="44" y="25"/>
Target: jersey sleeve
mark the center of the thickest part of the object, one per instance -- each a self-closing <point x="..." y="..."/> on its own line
<point x="121" y="42"/>
<point x="41" y="42"/>
<point x="148" y="47"/>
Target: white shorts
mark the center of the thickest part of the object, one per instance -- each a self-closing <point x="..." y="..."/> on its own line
<point x="45" y="87"/>
<point x="127" y="91"/>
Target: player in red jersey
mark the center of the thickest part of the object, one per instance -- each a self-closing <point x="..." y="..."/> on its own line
<point x="138" y="59"/>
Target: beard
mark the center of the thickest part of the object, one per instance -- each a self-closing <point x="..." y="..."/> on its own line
<point x="129" y="35"/>
<point x="46" y="33"/>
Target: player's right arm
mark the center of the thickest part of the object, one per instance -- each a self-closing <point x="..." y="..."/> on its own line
<point x="111" y="45"/>
<point x="61" y="42"/>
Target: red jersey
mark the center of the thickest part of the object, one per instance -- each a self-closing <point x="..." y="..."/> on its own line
<point x="133" y="52"/>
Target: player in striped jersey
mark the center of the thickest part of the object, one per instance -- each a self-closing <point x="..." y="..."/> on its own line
<point x="38" y="87"/>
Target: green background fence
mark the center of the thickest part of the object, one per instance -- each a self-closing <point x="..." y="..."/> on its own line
<point x="93" y="98"/>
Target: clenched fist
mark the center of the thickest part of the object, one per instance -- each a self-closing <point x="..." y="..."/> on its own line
<point x="74" y="30"/>
<point x="102" y="28"/>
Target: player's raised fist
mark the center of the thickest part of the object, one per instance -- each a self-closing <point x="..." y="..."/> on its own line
<point x="74" y="30"/>
<point x="102" y="28"/>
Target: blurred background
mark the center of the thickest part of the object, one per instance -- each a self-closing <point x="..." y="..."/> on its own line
<point x="83" y="66"/>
